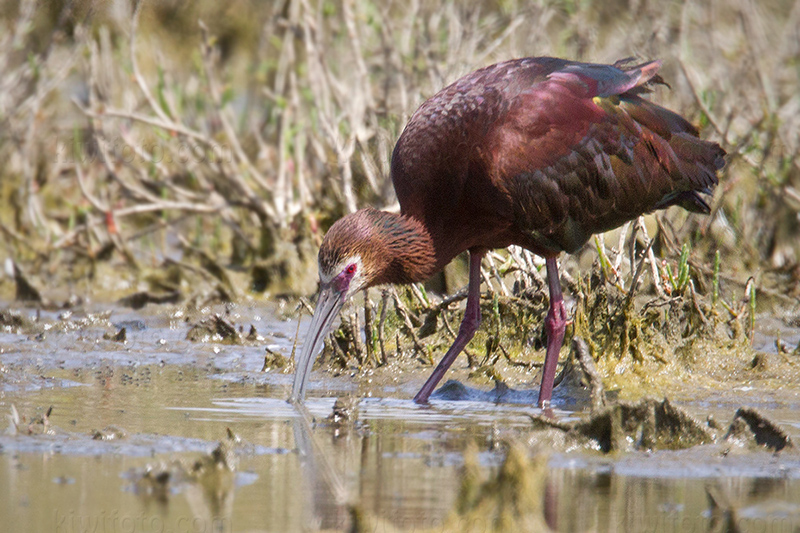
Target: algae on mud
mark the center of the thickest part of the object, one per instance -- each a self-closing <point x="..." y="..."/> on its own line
<point x="641" y="344"/>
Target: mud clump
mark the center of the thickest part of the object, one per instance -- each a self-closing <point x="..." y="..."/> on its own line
<point x="647" y="424"/>
<point x="120" y="336"/>
<point x="12" y="322"/>
<point x="644" y="425"/>
<point x="214" y="328"/>
<point x="276" y="361"/>
<point x="750" y="428"/>
<point x="219" y="329"/>
<point x="109" y="433"/>
<point x="652" y="425"/>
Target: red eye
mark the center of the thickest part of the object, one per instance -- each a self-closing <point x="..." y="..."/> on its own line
<point x="351" y="269"/>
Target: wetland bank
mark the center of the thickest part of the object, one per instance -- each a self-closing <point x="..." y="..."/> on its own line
<point x="168" y="174"/>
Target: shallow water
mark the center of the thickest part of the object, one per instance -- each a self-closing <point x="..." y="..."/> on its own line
<point x="159" y="399"/>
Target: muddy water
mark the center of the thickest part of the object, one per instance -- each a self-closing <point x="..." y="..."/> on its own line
<point x="124" y="414"/>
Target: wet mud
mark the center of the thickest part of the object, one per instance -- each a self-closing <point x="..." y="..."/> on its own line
<point x="162" y="419"/>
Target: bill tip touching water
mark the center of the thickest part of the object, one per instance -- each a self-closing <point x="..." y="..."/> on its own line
<point x="536" y="152"/>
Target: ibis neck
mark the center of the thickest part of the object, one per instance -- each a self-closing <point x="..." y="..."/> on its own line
<point x="403" y="249"/>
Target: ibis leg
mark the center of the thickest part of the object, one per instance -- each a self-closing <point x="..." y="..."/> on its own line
<point x="470" y="323"/>
<point x="555" y="324"/>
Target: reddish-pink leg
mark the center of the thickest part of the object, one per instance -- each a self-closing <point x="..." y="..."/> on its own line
<point x="472" y="319"/>
<point x="555" y="324"/>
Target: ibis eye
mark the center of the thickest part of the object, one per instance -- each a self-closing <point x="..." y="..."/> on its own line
<point x="351" y="269"/>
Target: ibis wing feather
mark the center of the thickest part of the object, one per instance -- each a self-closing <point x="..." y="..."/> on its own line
<point x="581" y="152"/>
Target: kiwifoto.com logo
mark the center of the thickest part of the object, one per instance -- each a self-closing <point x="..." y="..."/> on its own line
<point x="116" y="522"/>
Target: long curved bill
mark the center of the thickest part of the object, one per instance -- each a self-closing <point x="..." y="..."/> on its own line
<point x="329" y="303"/>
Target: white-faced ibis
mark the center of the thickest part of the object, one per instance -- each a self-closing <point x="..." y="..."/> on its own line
<point x="537" y="152"/>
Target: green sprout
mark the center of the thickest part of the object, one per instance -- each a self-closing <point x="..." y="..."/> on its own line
<point x="681" y="280"/>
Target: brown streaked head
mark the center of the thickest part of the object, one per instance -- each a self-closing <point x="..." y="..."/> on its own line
<point x="366" y="248"/>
